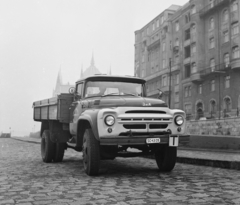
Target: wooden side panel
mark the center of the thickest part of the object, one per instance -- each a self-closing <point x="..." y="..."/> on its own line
<point x="53" y="112"/>
<point x="44" y="113"/>
<point x="37" y="114"/>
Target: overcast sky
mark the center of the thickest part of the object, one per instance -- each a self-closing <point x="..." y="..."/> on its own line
<point x="37" y="37"/>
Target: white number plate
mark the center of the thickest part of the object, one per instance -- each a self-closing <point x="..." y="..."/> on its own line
<point x="153" y="140"/>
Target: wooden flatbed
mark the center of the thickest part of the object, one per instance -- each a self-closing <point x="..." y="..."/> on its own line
<point x="56" y="108"/>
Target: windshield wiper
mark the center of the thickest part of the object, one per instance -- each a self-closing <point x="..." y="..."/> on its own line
<point x="110" y="94"/>
<point x="129" y="94"/>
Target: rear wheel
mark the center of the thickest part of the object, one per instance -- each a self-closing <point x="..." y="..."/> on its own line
<point x="166" y="158"/>
<point x="47" y="147"/>
<point x="59" y="152"/>
<point x="91" y="153"/>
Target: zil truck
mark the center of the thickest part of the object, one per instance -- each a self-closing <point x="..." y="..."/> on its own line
<point x="106" y="116"/>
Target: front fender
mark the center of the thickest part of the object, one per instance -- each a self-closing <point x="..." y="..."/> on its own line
<point x="91" y="117"/>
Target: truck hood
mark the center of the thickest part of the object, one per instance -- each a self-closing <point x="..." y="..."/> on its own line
<point x="129" y="101"/>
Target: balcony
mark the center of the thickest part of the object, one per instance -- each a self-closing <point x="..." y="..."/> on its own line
<point x="235" y="64"/>
<point x="175" y="67"/>
<point x="154" y="44"/>
<point x="196" y="77"/>
<point x="193" y="37"/>
<point x="187" y="60"/>
<point x="210" y="8"/>
<point x="218" y="69"/>
<point x="175" y="49"/>
<point x="186" y="43"/>
<point x="165" y="89"/>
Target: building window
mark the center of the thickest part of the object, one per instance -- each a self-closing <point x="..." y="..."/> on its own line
<point x="211" y="43"/>
<point x="177" y="79"/>
<point x="212" y="85"/>
<point x="187" y="34"/>
<point x="187" y="18"/>
<point x="225" y="36"/>
<point x="193" y="49"/>
<point x="235" y="52"/>
<point x="187" y="51"/>
<point x="143" y="73"/>
<point x="211" y="23"/>
<point x="163" y="46"/>
<point x="187" y="71"/>
<point x="177" y="26"/>
<point x="194" y="67"/>
<point x="227" y="81"/>
<point x="226" y="59"/>
<point x="212" y="64"/>
<point x="164" y="81"/>
<point x="234" y="6"/>
<point x="193" y="9"/>
<point x="162" y="19"/>
<point x="188" y="91"/>
<point x="235" y="29"/>
<point x="200" y="89"/>
<point x="176" y="97"/>
<point x="227" y="104"/>
<point x="148" y="31"/>
<point x="212" y="106"/>
<point x="177" y="42"/>
<point x="164" y="63"/>
<point x="225" y="16"/>
<point x="157" y="23"/>
<point x="153" y="26"/>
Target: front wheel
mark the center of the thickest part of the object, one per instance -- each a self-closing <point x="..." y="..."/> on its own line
<point x="166" y="158"/>
<point x="47" y="147"/>
<point x="91" y="153"/>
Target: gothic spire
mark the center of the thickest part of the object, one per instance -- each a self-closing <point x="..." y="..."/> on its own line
<point x="92" y="61"/>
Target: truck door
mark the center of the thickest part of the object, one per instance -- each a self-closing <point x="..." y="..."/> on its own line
<point x="76" y="108"/>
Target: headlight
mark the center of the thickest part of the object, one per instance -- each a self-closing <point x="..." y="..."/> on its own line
<point x="179" y="120"/>
<point x="109" y="120"/>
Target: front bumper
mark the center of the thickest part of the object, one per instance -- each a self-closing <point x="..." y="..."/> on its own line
<point x="126" y="140"/>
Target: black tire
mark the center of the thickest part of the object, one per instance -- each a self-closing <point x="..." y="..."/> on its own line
<point x="47" y="147"/>
<point x="91" y="153"/>
<point x="166" y="158"/>
<point x="59" y="152"/>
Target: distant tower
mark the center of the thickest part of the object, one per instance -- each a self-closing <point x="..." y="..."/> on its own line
<point x="91" y="70"/>
<point x="60" y="87"/>
<point x="110" y="71"/>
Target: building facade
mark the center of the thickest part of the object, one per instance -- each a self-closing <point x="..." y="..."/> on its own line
<point x="202" y="51"/>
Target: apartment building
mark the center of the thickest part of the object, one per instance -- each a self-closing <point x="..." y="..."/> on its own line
<point x="202" y="44"/>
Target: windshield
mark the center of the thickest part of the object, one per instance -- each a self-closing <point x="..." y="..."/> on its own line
<point x="104" y="88"/>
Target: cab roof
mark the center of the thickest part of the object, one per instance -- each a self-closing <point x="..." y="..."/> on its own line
<point x="112" y="78"/>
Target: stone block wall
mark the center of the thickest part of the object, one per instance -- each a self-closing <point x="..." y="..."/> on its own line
<point x="227" y="126"/>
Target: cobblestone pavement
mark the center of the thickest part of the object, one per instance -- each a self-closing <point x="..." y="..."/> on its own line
<point x="25" y="179"/>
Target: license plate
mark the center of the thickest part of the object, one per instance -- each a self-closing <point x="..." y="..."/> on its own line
<point x="153" y="140"/>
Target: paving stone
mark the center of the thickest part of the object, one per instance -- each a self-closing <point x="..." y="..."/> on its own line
<point x="25" y="179"/>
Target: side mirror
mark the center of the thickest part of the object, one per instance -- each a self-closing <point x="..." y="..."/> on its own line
<point x="71" y="90"/>
<point x="160" y="94"/>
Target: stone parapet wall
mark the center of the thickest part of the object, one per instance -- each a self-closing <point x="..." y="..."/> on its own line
<point x="227" y="126"/>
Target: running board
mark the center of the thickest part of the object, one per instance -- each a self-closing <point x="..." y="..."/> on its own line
<point x="74" y="146"/>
